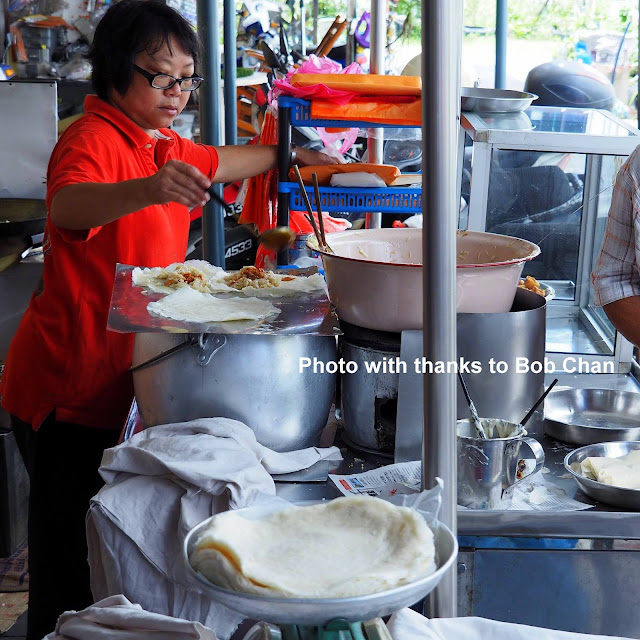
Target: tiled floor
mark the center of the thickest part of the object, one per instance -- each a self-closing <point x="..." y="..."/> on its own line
<point x="19" y="629"/>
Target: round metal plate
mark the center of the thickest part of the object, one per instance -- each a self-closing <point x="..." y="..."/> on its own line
<point x="320" y="611"/>
<point x="588" y="416"/>
<point x="616" y="496"/>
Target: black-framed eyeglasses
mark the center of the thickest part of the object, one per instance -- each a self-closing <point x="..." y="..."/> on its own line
<point x="165" y="81"/>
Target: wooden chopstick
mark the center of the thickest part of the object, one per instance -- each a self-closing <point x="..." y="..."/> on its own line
<point x="307" y="204"/>
<point x="316" y="188"/>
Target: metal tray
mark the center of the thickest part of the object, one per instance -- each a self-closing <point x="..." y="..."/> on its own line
<point x="320" y="611"/>
<point x="616" y="496"/>
<point x="588" y="416"/>
<point x="310" y="314"/>
<point x="495" y="100"/>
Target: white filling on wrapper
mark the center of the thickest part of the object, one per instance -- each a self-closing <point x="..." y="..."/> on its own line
<point x="623" y="472"/>
<point x="346" y="547"/>
<point x="156" y="278"/>
<point x="192" y="306"/>
<point x="288" y="285"/>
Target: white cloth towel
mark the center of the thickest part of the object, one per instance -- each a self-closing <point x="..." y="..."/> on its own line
<point x="407" y="624"/>
<point x="159" y="485"/>
<point x="115" y="618"/>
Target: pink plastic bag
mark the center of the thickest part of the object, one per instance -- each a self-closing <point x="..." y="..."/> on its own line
<point x="338" y="141"/>
<point x="317" y="65"/>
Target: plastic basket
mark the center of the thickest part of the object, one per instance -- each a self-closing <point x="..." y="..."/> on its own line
<point x="392" y="200"/>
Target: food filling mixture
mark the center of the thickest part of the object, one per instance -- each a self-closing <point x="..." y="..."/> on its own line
<point x="256" y="278"/>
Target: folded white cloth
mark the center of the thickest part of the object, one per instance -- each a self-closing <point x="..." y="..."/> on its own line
<point x="407" y="624"/>
<point x="160" y="484"/>
<point x="115" y="618"/>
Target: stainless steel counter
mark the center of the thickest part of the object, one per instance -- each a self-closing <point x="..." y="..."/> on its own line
<point x="600" y="522"/>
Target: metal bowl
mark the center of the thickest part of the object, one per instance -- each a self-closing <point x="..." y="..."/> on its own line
<point x="495" y="100"/>
<point x="588" y="416"/>
<point x="320" y="611"/>
<point x="616" y="496"/>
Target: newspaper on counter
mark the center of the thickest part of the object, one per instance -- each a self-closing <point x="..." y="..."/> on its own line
<point x="532" y="494"/>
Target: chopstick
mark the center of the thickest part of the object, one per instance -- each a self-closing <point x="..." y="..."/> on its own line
<point x="316" y="189"/>
<point x="307" y="204"/>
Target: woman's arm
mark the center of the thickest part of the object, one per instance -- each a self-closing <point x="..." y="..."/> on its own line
<point x="237" y="162"/>
<point x="90" y="204"/>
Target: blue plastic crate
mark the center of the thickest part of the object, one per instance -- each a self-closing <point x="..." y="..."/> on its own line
<point x="354" y="200"/>
<point x="301" y="117"/>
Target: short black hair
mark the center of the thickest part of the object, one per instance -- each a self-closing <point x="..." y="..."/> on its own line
<point x="128" y="28"/>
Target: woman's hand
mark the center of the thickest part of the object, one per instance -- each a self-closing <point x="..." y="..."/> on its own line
<point x="308" y="158"/>
<point x="179" y="182"/>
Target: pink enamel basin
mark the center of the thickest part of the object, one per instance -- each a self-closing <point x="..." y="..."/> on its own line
<point x="374" y="276"/>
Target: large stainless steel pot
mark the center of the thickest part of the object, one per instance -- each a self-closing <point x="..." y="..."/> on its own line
<point x="252" y="378"/>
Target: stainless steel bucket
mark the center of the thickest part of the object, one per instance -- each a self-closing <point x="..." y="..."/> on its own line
<point x="252" y="378"/>
<point x="505" y="337"/>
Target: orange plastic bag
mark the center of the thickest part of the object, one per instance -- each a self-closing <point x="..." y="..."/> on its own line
<point x="381" y="110"/>
<point x="370" y="84"/>
<point x="387" y="172"/>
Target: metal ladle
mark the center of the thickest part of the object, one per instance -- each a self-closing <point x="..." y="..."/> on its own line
<point x="472" y="408"/>
<point x="277" y="238"/>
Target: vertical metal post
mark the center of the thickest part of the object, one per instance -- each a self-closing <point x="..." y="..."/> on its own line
<point x="230" y="81"/>
<point x="210" y="130"/>
<point x="284" y="144"/>
<point x="303" y="38"/>
<point x="502" y="21"/>
<point x="441" y="43"/>
<point x="638" y="76"/>
<point x="315" y="23"/>
<point x="375" y="144"/>
<point x="351" y="25"/>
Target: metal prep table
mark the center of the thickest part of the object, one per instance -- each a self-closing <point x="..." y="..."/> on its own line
<point x="574" y="570"/>
<point x="562" y="208"/>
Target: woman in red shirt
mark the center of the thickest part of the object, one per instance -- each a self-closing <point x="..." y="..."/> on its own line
<point x="120" y="185"/>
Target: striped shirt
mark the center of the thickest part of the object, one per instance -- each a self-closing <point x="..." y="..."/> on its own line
<point x="617" y="271"/>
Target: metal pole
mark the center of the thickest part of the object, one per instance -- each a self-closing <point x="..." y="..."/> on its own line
<point x="502" y="21"/>
<point x="315" y="23"/>
<point x="210" y="130"/>
<point x="441" y="43"/>
<point x="638" y="77"/>
<point x="375" y="144"/>
<point x="351" y="25"/>
<point x="303" y="39"/>
<point x="230" y="81"/>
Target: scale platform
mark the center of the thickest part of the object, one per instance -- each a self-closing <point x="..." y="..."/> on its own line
<point x="322" y="612"/>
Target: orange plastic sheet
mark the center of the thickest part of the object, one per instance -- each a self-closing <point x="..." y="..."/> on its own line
<point x="407" y="112"/>
<point x="387" y="172"/>
<point x="261" y="199"/>
<point x="370" y="84"/>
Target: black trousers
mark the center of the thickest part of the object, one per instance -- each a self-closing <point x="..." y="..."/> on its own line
<point x="62" y="460"/>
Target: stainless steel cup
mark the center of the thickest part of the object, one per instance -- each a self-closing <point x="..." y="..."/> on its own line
<point x="488" y="470"/>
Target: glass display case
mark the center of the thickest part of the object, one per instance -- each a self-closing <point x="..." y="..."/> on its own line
<point x="546" y="174"/>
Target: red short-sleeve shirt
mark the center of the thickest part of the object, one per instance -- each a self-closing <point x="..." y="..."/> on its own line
<point x="62" y="357"/>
